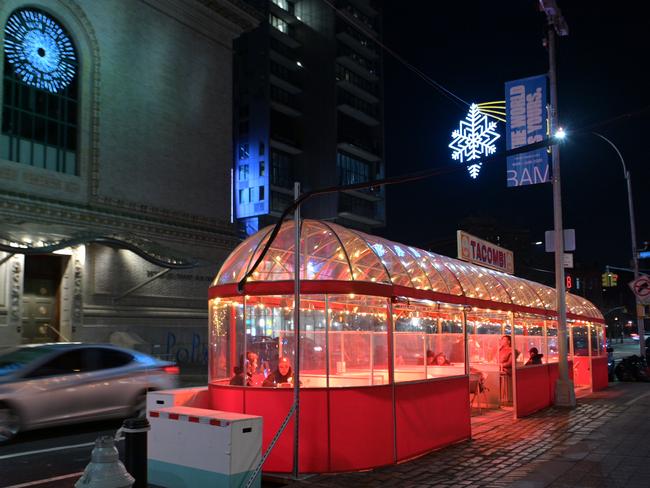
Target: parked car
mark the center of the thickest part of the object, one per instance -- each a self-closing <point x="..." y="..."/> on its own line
<point x="43" y="385"/>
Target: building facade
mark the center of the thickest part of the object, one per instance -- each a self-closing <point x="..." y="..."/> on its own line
<point x="309" y="109"/>
<point x="115" y="169"/>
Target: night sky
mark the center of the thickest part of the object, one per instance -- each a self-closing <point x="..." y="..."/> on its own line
<point x="472" y="49"/>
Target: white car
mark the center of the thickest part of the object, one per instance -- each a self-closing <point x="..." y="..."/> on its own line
<point x="43" y="385"/>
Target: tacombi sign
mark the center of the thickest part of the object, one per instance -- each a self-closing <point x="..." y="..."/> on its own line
<point x="484" y="253"/>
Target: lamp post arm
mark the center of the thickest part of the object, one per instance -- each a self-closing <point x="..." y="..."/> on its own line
<point x="626" y="175"/>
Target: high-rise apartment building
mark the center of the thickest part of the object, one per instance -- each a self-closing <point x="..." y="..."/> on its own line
<point x="308" y="108"/>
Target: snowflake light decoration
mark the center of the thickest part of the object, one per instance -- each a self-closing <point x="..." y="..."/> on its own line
<point x="41" y="52"/>
<point x="474" y="138"/>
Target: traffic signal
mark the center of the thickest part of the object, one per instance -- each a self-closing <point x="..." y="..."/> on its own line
<point x="569" y="282"/>
<point x="605" y="280"/>
<point x="609" y="279"/>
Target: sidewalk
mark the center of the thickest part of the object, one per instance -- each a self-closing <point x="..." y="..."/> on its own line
<point x="604" y="442"/>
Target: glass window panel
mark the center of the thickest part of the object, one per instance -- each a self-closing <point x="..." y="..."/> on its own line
<point x="358" y="341"/>
<point x="596" y="348"/>
<point x="226" y="317"/>
<point x="552" y="345"/>
<point x="529" y="334"/>
<point x="580" y="340"/>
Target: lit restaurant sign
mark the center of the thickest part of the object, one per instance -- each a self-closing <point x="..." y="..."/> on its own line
<point x="484" y="253"/>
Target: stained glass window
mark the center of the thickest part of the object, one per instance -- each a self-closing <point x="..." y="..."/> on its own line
<point x="40" y="99"/>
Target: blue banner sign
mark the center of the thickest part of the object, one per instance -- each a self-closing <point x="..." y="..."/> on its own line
<point x="526" y="124"/>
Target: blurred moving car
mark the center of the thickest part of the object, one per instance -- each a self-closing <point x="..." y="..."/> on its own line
<point x="43" y="385"/>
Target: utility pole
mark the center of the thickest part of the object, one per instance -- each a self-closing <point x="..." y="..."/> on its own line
<point x="564" y="393"/>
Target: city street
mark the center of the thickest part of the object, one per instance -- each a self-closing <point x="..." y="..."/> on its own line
<point x="601" y="443"/>
<point x="627" y="348"/>
<point x="58" y="454"/>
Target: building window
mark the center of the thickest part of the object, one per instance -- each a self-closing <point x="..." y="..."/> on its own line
<point x="351" y="170"/>
<point x="281" y="96"/>
<point x="283" y="4"/>
<point x="262" y="168"/>
<point x="281" y="169"/>
<point x="280" y="201"/>
<point x="278" y="23"/>
<point x="260" y="193"/>
<point x="243" y="172"/>
<point x="243" y="151"/>
<point x="261" y="151"/>
<point x="40" y="86"/>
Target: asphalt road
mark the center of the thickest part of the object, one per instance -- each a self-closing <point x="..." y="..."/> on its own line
<point x="49" y="454"/>
<point x="628" y="348"/>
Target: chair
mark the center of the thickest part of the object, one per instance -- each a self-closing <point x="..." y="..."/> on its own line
<point x="505" y="387"/>
<point x="477" y="390"/>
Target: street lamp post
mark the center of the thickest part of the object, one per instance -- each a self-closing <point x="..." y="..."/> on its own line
<point x="635" y="255"/>
<point x="564" y="393"/>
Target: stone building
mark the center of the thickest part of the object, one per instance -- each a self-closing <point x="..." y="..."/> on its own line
<point x="115" y="169"/>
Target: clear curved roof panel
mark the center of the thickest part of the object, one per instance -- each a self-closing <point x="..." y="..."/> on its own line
<point x="520" y="291"/>
<point x="448" y="277"/>
<point x="581" y="306"/>
<point x="463" y="273"/>
<point x="366" y="266"/>
<point x="389" y="259"/>
<point x="239" y="261"/>
<point x="332" y="252"/>
<point x="324" y="256"/>
<point x="436" y="281"/>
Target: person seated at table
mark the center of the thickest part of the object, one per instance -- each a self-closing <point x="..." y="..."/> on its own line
<point x="253" y="377"/>
<point x="239" y="378"/>
<point x="431" y="357"/>
<point x="282" y="377"/>
<point x="534" y="357"/>
<point x="441" y="360"/>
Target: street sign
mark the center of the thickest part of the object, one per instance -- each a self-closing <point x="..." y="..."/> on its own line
<point x="568" y="260"/>
<point x="569" y="240"/>
<point x="641" y="288"/>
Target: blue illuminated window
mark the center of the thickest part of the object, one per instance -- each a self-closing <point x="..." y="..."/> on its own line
<point x="40" y="101"/>
<point x="243" y="172"/>
<point x="40" y="50"/>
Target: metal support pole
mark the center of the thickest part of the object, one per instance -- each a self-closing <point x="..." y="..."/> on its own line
<point x="635" y="255"/>
<point x="564" y="393"/>
<point x="296" y="331"/>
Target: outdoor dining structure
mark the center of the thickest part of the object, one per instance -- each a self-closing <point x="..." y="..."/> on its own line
<point x="398" y="346"/>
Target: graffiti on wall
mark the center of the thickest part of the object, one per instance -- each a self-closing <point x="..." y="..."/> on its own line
<point x="194" y="352"/>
